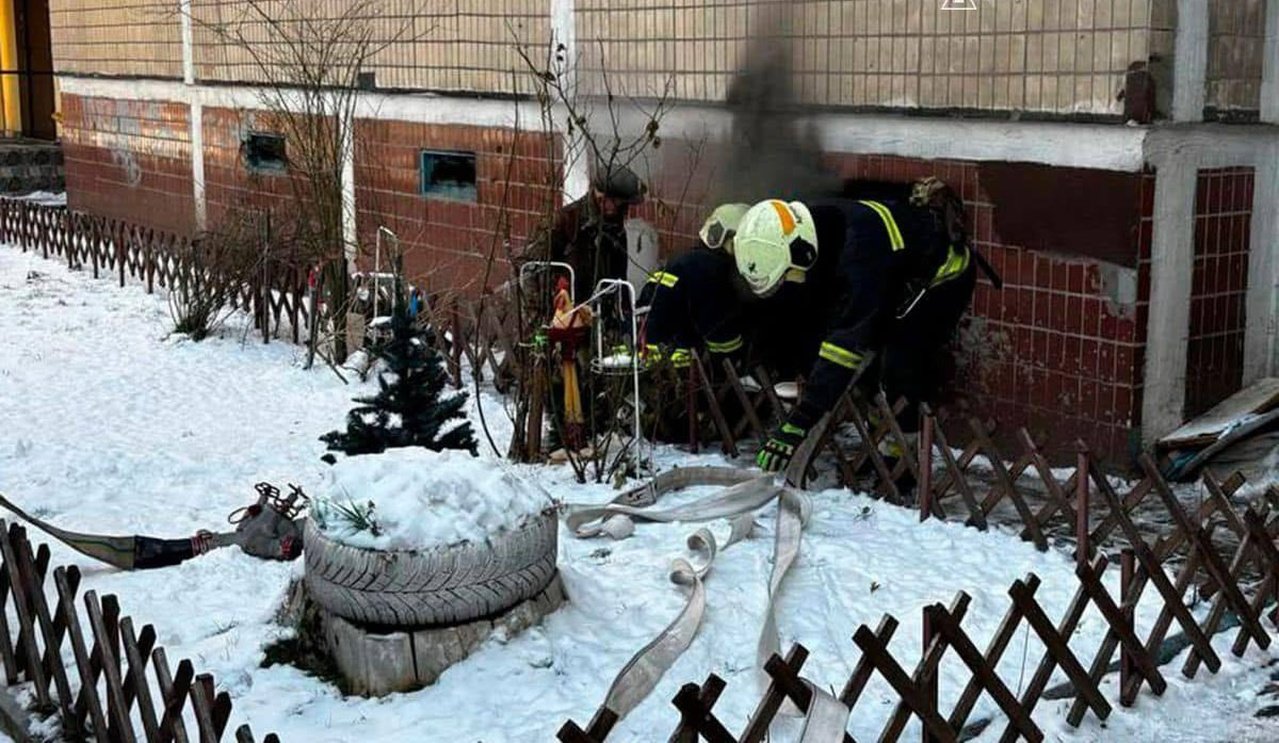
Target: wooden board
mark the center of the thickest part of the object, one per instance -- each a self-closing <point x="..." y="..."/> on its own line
<point x="1204" y="430"/>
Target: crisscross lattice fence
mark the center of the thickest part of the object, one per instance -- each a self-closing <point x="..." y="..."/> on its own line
<point x="103" y="692"/>
<point x="1240" y="576"/>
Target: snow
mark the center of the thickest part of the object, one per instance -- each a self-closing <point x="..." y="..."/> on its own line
<point x="110" y="424"/>
<point x="43" y="198"/>
<point x="422" y="499"/>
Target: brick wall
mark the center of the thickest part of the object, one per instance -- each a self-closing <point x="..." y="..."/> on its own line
<point x="231" y="188"/>
<point x="1061" y="349"/>
<point x="1223" y="219"/>
<point x="447" y="242"/>
<point x="129" y="159"/>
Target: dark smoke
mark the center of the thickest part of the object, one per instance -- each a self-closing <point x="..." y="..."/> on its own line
<point x="769" y="154"/>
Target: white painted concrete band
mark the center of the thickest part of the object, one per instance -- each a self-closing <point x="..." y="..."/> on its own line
<point x="188" y="42"/>
<point x="197" y="166"/>
<point x="1270" y="72"/>
<point x="1104" y="147"/>
<point x="1191" y="54"/>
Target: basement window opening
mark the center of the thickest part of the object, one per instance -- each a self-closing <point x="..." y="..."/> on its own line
<point x="266" y="153"/>
<point x="448" y="175"/>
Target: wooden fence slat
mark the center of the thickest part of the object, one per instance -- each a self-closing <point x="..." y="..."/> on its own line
<point x="924" y="673"/>
<point x="994" y="651"/>
<point x="1131" y="685"/>
<point x="52" y="639"/>
<point x="928" y="505"/>
<point x="174" y="690"/>
<point x="1008" y="486"/>
<point x="1057" y="500"/>
<point x="29" y="652"/>
<point x="862" y="672"/>
<point x="907" y="458"/>
<point x="869" y="448"/>
<point x="1119" y="624"/>
<point x="119" y="716"/>
<point x="1130" y="501"/>
<point x="955" y="636"/>
<point x="1058" y="647"/>
<point x="7" y="653"/>
<point x="696" y="715"/>
<point x="202" y="703"/>
<point x="1266" y="548"/>
<point x="88" y="696"/>
<point x="727" y="443"/>
<point x="955" y="471"/>
<point x="902" y="684"/>
<point x="757" y="727"/>
<point x="749" y="407"/>
<point x="1154" y="571"/>
<point x="138" y="653"/>
<point x="1242" y="554"/>
<point x="111" y="622"/>
<point x="1211" y="560"/>
<point x="710" y="692"/>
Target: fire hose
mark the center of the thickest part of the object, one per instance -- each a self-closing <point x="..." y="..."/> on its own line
<point x="270" y="528"/>
<point x="745" y="493"/>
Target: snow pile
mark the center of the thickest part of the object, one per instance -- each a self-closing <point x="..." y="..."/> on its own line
<point x="416" y="499"/>
<point x="43" y="198"/>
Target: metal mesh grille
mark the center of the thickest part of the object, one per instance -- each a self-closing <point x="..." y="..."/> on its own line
<point x="1236" y="48"/>
<point x="116" y="37"/>
<point x="1062" y="56"/>
<point x="428" y="44"/>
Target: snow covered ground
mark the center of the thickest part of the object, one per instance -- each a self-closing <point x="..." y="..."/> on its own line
<point x="109" y="424"/>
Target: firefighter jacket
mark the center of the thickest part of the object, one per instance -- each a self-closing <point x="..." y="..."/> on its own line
<point x="876" y="259"/>
<point x="693" y="304"/>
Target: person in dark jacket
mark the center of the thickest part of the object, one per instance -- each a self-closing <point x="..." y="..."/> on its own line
<point x="590" y="233"/>
<point x="892" y="278"/>
<point x="692" y="301"/>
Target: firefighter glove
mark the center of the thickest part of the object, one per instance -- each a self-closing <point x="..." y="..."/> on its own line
<point x="780" y="447"/>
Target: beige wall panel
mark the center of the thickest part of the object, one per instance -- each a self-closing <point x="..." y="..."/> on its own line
<point x="886" y="52"/>
<point x="116" y="37"/>
<point x="421" y="44"/>
<point x="1236" y="44"/>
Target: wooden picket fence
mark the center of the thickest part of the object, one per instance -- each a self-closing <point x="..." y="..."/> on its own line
<point x="102" y="691"/>
<point x="157" y="259"/>
<point x="1184" y="556"/>
<point x="108" y="247"/>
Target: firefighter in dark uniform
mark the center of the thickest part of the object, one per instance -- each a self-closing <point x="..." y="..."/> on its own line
<point x="692" y="303"/>
<point x="889" y="277"/>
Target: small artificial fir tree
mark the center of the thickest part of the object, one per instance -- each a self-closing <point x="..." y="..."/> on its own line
<point x="413" y="406"/>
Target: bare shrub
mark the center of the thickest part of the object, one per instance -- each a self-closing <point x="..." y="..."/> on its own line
<point x="220" y="265"/>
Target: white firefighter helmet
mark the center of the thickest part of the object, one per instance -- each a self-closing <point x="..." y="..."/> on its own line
<point x="722" y="224"/>
<point x="775" y="240"/>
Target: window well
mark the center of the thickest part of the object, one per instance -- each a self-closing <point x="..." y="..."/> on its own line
<point x="448" y="175"/>
<point x="265" y="152"/>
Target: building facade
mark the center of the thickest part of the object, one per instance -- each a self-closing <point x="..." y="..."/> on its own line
<point x="1120" y="157"/>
